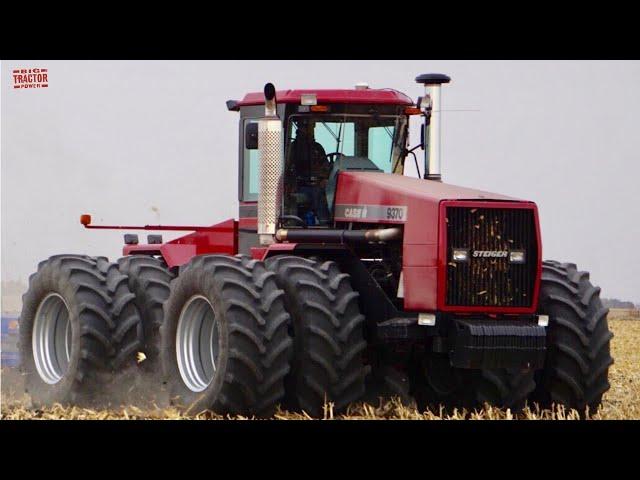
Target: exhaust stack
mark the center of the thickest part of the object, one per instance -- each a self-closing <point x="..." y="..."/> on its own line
<point x="271" y="167"/>
<point x="430" y="106"/>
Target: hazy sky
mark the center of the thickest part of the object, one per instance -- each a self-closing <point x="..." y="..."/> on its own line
<point x="148" y="142"/>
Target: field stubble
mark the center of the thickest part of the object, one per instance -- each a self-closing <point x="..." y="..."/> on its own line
<point x="622" y="401"/>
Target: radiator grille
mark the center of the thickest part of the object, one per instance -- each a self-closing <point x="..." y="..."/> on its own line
<point x="490" y="281"/>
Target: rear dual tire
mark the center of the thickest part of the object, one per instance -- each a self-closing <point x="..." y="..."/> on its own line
<point x="78" y="327"/>
<point x="149" y="280"/>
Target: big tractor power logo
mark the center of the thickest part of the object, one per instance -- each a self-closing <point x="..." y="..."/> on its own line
<point x="30" y="78"/>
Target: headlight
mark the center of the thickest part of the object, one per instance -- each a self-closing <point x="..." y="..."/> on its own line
<point x="516" y="256"/>
<point x="460" y="255"/>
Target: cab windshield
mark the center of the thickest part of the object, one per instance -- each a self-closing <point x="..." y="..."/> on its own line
<point x="380" y="138"/>
<point x="318" y="147"/>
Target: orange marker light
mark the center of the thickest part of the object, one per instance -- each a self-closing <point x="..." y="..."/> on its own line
<point x="412" y="111"/>
<point x="319" y="108"/>
<point x="85" y="219"/>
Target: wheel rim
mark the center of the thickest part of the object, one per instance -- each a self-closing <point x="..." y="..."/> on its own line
<point x="51" y="339"/>
<point x="197" y="343"/>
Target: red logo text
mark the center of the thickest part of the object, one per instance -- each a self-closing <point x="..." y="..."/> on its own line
<point x="30" y="78"/>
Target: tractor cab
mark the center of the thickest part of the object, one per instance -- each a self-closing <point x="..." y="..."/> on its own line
<point x="322" y="133"/>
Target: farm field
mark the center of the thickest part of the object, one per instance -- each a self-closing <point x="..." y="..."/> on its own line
<point x="620" y="403"/>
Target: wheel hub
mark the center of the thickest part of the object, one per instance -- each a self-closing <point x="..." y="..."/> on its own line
<point x="51" y="339"/>
<point x="197" y="343"/>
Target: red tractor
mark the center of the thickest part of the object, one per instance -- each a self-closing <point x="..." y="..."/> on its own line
<point x="343" y="280"/>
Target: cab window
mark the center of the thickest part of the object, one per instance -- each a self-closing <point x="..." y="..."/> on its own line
<point x="250" y="169"/>
<point x="380" y="143"/>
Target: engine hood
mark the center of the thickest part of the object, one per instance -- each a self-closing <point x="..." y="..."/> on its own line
<point x="415" y="187"/>
<point x="372" y="197"/>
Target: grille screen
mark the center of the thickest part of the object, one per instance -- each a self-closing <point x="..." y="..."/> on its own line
<point x="489" y="279"/>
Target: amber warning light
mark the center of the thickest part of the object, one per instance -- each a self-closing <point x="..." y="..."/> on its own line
<point x="85" y="219"/>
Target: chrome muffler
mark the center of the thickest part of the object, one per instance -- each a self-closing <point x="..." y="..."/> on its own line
<point x="431" y="108"/>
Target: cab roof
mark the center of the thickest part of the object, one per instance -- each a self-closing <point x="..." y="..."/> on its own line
<point x="382" y="96"/>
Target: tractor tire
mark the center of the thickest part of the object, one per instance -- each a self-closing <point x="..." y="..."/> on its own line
<point x="225" y="345"/>
<point x="440" y="384"/>
<point x="149" y="280"/>
<point x="75" y="312"/>
<point x="128" y="335"/>
<point x="504" y="388"/>
<point x="387" y="383"/>
<point x="435" y="383"/>
<point x="575" y="372"/>
<point x="328" y="337"/>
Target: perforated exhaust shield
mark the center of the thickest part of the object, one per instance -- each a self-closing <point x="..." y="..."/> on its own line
<point x="271" y="169"/>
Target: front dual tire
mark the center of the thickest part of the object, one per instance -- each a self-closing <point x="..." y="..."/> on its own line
<point x="240" y="336"/>
<point x="328" y="335"/>
<point x="225" y="345"/>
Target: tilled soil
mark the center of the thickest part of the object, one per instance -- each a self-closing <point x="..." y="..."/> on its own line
<point x="622" y="401"/>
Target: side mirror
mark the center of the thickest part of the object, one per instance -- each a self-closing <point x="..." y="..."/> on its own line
<point x="251" y="136"/>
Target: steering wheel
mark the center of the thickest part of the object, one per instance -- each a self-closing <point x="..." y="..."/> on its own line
<point x="331" y="157"/>
<point x="292" y="218"/>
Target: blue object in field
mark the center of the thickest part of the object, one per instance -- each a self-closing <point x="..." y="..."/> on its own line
<point x="9" y="347"/>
